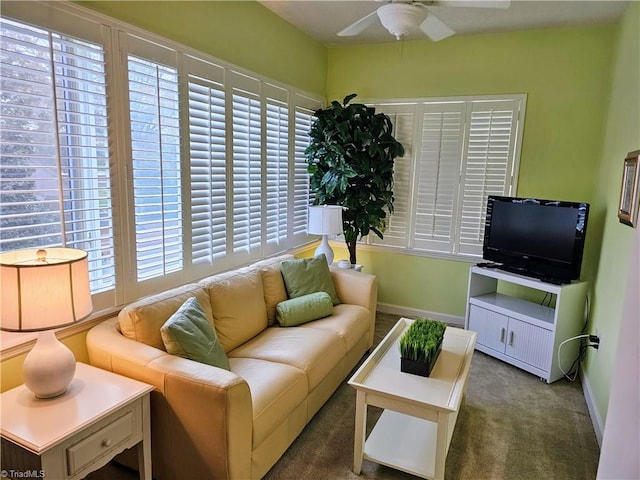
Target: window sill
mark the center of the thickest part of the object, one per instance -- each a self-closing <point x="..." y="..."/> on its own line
<point x="456" y="257"/>
<point x="13" y="344"/>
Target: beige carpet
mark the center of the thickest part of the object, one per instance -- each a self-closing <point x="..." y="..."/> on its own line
<point x="512" y="426"/>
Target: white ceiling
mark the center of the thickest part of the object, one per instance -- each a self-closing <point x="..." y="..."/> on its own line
<point x="323" y="19"/>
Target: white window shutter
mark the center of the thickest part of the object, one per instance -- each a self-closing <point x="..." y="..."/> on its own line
<point x="488" y="164"/>
<point x="437" y="176"/>
<point x="301" y="198"/>
<point x="208" y="170"/>
<point x="276" y="168"/>
<point x="56" y="186"/>
<point x="247" y="167"/>
<point x="155" y="150"/>
<point x="398" y="224"/>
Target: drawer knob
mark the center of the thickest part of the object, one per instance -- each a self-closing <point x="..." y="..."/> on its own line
<point x="106" y="443"/>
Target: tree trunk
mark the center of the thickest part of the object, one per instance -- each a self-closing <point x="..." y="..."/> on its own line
<point x="352" y="251"/>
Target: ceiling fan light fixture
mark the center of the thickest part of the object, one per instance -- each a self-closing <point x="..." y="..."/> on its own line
<point x="401" y="18"/>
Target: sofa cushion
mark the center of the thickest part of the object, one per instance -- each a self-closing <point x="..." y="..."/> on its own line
<point x="308" y="275"/>
<point x="314" y="351"/>
<point x="237" y="305"/>
<point x="142" y="319"/>
<point x="349" y="322"/>
<point x="296" y="311"/>
<point x="274" y="290"/>
<point x="189" y="334"/>
<point x="276" y="390"/>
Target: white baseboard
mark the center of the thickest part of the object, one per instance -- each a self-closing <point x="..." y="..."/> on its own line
<point x="414" y="312"/>
<point x="596" y="420"/>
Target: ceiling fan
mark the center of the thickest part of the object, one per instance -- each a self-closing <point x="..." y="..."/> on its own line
<point x="401" y="17"/>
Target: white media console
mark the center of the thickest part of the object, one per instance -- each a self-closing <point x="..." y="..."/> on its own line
<point x="521" y="331"/>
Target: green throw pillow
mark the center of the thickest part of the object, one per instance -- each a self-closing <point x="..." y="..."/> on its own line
<point x="297" y="311"/>
<point x="188" y="333"/>
<point x="308" y="275"/>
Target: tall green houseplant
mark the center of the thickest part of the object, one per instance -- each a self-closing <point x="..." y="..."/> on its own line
<point x="350" y="158"/>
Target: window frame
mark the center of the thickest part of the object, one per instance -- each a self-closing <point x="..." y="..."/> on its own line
<point x="405" y="243"/>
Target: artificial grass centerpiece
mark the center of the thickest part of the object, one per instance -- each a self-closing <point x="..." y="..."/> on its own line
<point x="420" y="346"/>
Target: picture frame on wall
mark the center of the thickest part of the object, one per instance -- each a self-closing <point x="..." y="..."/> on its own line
<point x="628" y="209"/>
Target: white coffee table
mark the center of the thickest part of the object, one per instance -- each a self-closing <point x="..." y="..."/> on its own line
<point x="414" y="431"/>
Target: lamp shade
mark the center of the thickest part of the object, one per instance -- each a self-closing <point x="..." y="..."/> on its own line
<point x="325" y="220"/>
<point x="43" y="289"/>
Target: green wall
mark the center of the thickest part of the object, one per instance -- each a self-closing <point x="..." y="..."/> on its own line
<point x="403" y="284"/>
<point x="565" y="73"/>
<point x="243" y="33"/>
<point x="621" y="135"/>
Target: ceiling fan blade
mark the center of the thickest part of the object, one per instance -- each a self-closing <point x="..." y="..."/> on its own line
<point x="436" y="29"/>
<point x="473" y="3"/>
<point x="359" y="26"/>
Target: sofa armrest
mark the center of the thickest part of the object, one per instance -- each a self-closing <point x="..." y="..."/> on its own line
<point x="357" y="288"/>
<point x="201" y="415"/>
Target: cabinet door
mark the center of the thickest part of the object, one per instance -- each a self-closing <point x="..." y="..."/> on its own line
<point x="529" y="344"/>
<point x="491" y="327"/>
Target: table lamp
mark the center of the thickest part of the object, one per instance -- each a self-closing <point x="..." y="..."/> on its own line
<point x="42" y="290"/>
<point x="325" y="220"/>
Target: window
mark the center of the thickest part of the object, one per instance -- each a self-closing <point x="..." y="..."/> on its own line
<point x="277" y="166"/>
<point x="457" y="152"/>
<point x="155" y="162"/>
<point x="208" y="153"/>
<point x="166" y="165"/>
<point x="300" y="196"/>
<point x="55" y="178"/>
<point x="246" y="167"/>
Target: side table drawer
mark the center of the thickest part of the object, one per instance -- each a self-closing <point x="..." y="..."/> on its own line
<point x="100" y="443"/>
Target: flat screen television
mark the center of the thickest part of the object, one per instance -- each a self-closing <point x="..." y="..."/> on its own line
<point x="538" y="238"/>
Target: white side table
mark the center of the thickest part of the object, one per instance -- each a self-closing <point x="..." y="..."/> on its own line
<point x="67" y="437"/>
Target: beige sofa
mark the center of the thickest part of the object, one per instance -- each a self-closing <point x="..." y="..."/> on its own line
<point x="210" y="423"/>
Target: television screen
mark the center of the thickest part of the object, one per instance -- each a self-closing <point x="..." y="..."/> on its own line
<point x="540" y="238"/>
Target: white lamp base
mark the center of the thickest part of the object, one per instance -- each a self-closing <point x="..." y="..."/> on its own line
<point x="49" y="366"/>
<point x="326" y="249"/>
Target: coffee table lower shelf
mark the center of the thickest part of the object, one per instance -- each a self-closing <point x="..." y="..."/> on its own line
<point x="414" y="431"/>
<point x="403" y="442"/>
